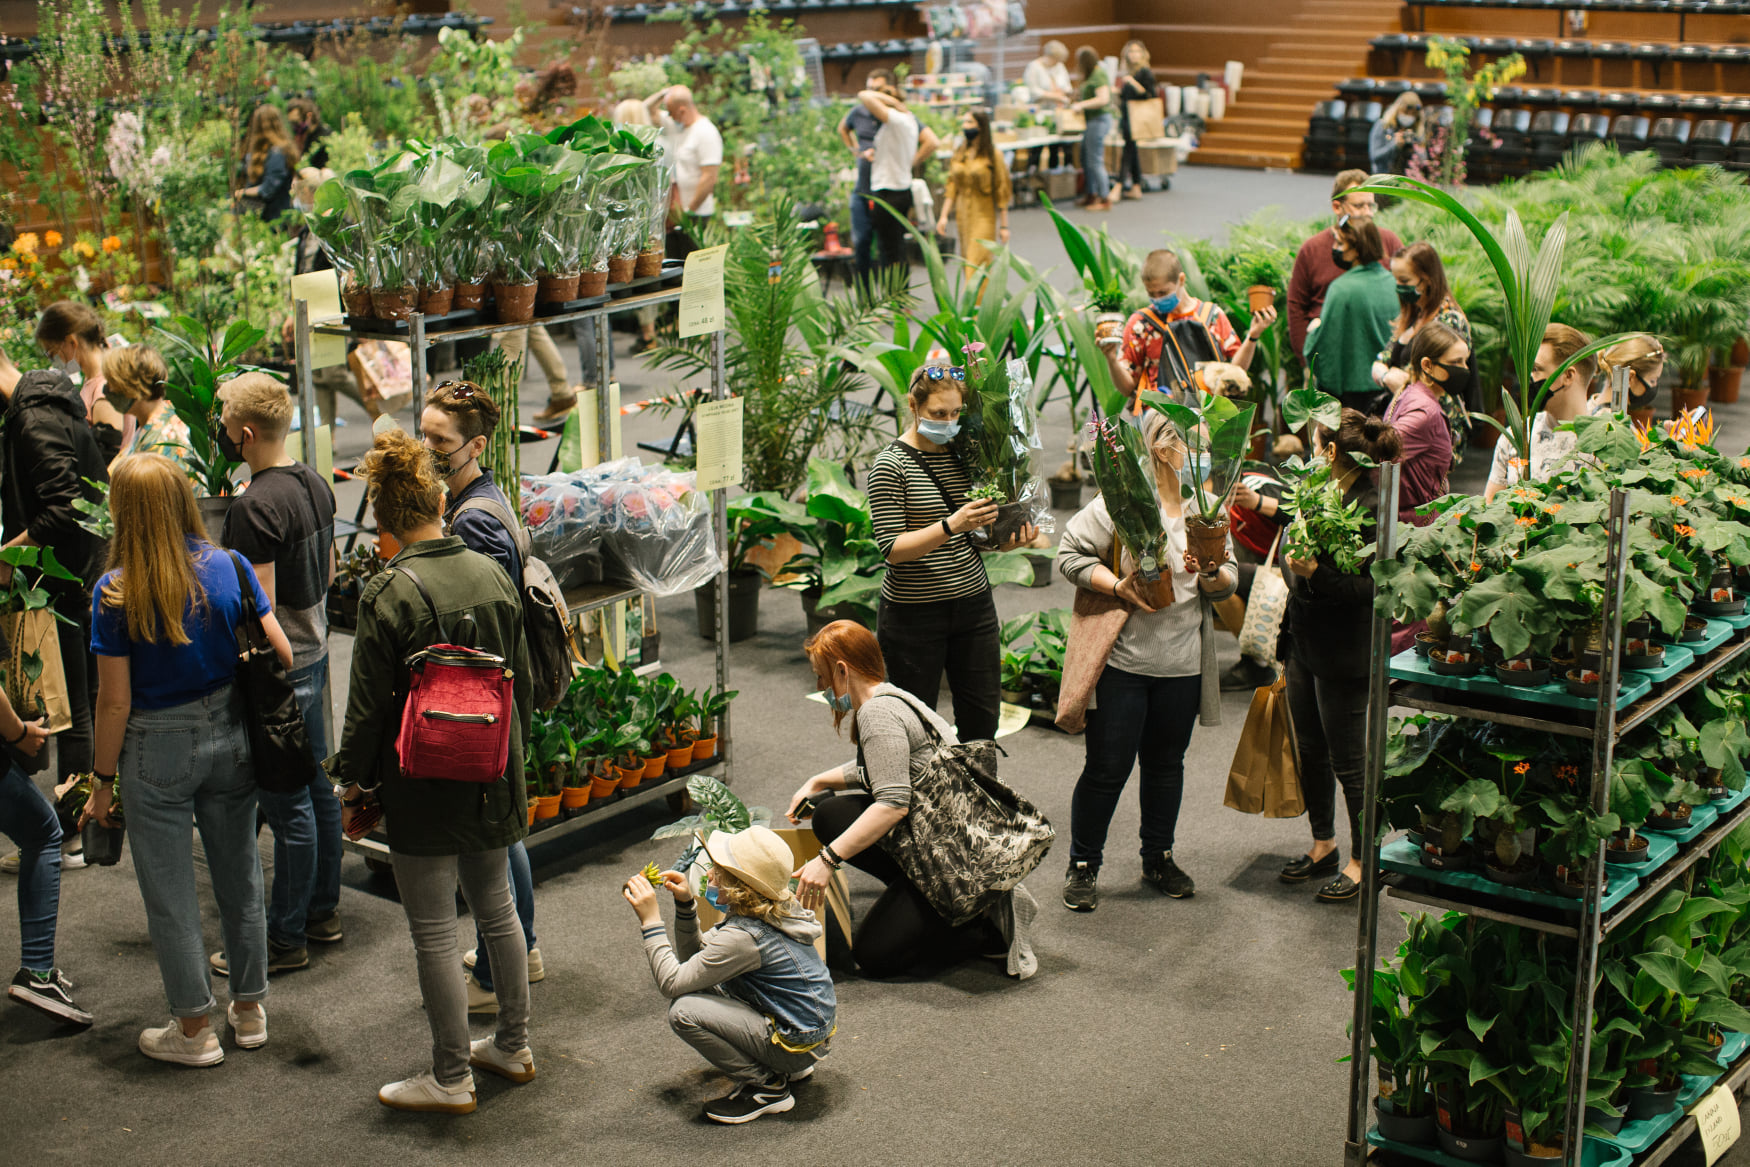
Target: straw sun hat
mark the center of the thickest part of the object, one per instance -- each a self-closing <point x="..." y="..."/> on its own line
<point x="756" y="856"/>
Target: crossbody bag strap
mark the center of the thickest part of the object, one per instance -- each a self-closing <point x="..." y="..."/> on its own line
<point x="519" y="534"/>
<point x="249" y="612"/>
<point x="426" y="596"/>
<point x="917" y="456"/>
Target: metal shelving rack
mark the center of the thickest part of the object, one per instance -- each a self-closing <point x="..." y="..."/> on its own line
<point x="589" y="597"/>
<point x="1591" y="924"/>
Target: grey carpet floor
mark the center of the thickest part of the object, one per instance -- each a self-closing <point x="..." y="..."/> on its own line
<point x="1171" y="1033"/>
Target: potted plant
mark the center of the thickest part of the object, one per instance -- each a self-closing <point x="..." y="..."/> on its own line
<point x="199" y="361"/>
<point x="336" y="228"/>
<point x="1110" y="271"/>
<point x="1013" y="666"/>
<point x="841" y="567"/>
<point x="520" y="186"/>
<point x="997" y="438"/>
<point x="754" y="521"/>
<point x="631" y="745"/>
<point x="1125" y="470"/>
<point x="711" y="711"/>
<point x="1216" y="432"/>
<point x="1404" y="1105"/>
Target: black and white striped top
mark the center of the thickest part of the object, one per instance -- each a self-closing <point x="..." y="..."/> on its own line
<point x="903" y="498"/>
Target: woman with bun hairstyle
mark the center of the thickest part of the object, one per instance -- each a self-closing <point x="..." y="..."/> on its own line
<point x="439" y="832"/>
<point x="1329" y="619"/>
<point x="72" y="335"/>
<point x="134" y="384"/>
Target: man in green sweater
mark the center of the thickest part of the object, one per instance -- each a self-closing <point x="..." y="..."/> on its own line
<point x="1356" y="322"/>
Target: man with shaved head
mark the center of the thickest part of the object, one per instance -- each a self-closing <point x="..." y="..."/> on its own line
<point x="697" y="149"/>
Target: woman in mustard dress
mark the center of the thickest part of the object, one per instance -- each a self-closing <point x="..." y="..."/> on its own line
<point x="978" y="190"/>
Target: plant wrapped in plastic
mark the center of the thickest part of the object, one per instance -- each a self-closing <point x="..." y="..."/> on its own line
<point x="650" y="522"/>
<point x="446" y="203"/>
<point x="1217" y="433"/>
<point x="383" y="199"/>
<point x="519" y="186"/>
<point x="341" y="236"/>
<point x="1124" y="470"/>
<point x="998" y="434"/>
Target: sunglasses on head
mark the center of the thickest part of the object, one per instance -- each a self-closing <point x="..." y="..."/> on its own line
<point x="461" y="390"/>
<point x="937" y="372"/>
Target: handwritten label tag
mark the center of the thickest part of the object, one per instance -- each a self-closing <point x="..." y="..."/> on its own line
<point x="1716" y="1120"/>
<point x="718" y="424"/>
<point x="701" y="309"/>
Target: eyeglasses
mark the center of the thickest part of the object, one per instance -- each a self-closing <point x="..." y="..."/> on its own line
<point x="937" y="372"/>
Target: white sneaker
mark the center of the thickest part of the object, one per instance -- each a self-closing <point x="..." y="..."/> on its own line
<point x="537" y="971"/>
<point x="73" y="860"/>
<point x="480" y="1000"/>
<point x="248" y="1030"/>
<point x="518" y="1067"/>
<point x="169" y="1045"/>
<point x="422" y="1092"/>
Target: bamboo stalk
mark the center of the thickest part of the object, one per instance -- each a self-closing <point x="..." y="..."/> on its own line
<point x="500" y="377"/>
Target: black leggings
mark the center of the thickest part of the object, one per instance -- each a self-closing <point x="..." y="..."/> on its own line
<point x="1330" y="733"/>
<point x="1130" y="165"/>
<point x="889" y="227"/>
<point x="902" y="930"/>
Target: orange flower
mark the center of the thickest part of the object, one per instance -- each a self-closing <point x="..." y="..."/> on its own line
<point x="25" y="244"/>
<point x="1744" y="463"/>
<point x="1526" y="493"/>
<point x="1694" y="472"/>
<point x="1526" y="520"/>
<point x="1735" y="500"/>
<point x="1678" y="500"/>
<point x="112" y="243"/>
<point x="52" y="238"/>
<point x="84" y="250"/>
<point x="1475" y="566"/>
<point x="1568" y="773"/>
<point x="1552" y="508"/>
<point x="1684" y="529"/>
<point x="1522" y="768"/>
<point x="8" y="264"/>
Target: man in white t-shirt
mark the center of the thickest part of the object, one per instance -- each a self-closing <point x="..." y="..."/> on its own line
<point x="697" y="149"/>
<point x="890" y="169"/>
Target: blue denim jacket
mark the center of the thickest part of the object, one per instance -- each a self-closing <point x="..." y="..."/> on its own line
<point x="791" y="986"/>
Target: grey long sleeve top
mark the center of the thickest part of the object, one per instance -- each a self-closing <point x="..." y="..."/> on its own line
<point x="694" y="963"/>
<point x="893" y="745"/>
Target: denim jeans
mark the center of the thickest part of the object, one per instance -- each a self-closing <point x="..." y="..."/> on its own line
<point x="522" y="894"/>
<point x="862" y="236"/>
<point x="30" y="822"/>
<point x="191" y="762"/>
<point x="1330" y="734"/>
<point x="960" y="637"/>
<point x="306" y="827"/>
<point x="1098" y="184"/>
<point x="428" y="895"/>
<point x="1135" y="718"/>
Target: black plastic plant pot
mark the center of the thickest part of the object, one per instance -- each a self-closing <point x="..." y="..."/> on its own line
<point x="1514" y="1157"/>
<point x="1718" y="793"/>
<point x="1426" y="642"/>
<point x="1653" y="658"/>
<point x="1645" y="1104"/>
<point x="1638" y="629"/>
<point x="1537" y="674"/>
<point x="1469" y="1148"/>
<point x="1403" y="1128"/>
<point x="1676" y="820"/>
<point x="1694" y="629"/>
<point x="1065" y="495"/>
<point x="1433" y="858"/>
<point x="1469" y="664"/>
<point x="1011" y="517"/>
<point x="744" y="606"/>
<point x="1609" y="1124"/>
<point x="103" y="845"/>
<point x="1581" y="688"/>
<point x="1560" y="885"/>
<point x="1624" y="850"/>
<point x="1519" y="875"/>
<point x="1720" y="608"/>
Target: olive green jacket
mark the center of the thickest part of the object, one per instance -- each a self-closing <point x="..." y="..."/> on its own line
<point x="424" y="816"/>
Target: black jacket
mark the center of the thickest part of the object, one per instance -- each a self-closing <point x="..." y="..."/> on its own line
<point x="46" y="451"/>
<point x="1330" y="616"/>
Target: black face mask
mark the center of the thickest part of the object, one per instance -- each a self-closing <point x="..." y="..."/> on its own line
<point x="1457" y="378"/>
<point x="971" y="134"/>
<point x="230" y="449"/>
<point x="1537" y="388"/>
<point x="1340" y="260"/>
<point x="1408" y="294"/>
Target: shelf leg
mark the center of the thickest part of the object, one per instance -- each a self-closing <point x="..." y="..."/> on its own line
<point x="720" y="524"/>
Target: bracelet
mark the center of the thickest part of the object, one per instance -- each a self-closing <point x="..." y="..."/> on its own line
<point x="946" y="529"/>
<point x="22" y="730"/>
<point x="832" y="859"/>
<point x="103" y="778"/>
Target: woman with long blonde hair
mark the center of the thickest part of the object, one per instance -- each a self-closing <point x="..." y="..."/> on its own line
<point x="269" y="160"/>
<point x="164" y="622"/>
<point x="1136" y="83"/>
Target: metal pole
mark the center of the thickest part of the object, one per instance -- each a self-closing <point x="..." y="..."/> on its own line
<point x="1603" y="756"/>
<point x="416" y="339"/>
<point x="720" y="524"/>
<point x="604" y="414"/>
<point x="1367" y="928"/>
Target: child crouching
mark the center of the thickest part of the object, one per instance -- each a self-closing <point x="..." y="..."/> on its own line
<point x="753" y="996"/>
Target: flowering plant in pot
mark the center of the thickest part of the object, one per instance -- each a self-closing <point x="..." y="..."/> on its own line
<point x="1216" y="432"/>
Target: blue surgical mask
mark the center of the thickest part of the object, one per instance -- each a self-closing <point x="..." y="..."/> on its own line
<point x="939" y="432"/>
<point x="711" y="898"/>
<point x="1165" y="304"/>
<point x="839" y="704"/>
<point x="1198" y="467"/>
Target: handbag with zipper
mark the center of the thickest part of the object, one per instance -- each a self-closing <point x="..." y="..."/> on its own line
<point x="455" y="724"/>
<point x="279" y="742"/>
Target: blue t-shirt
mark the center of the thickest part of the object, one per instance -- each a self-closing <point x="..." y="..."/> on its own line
<point x="164" y="674"/>
<point x="863" y="125"/>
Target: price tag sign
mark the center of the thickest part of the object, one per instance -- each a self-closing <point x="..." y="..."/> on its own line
<point x="701" y="309"/>
<point x="322" y="290"/>
<point x="718" y="424"/>
<point x="1716" y="1120"/>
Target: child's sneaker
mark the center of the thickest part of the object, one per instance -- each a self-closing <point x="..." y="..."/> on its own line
<point x="750" y="1100"/>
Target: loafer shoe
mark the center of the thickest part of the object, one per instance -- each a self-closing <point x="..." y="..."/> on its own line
<point x="1340" y="890"/>
<point x="1306" y="867"/>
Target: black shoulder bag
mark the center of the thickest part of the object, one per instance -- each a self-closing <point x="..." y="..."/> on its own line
<point x="279" y="744"/>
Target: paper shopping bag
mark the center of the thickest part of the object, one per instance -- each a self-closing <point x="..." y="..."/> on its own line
<point x="1265" y="776"/>
<point x="1148" y="119"/>
<point x="35" y="682"/>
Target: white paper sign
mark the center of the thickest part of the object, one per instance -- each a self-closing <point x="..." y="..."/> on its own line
<point x="701" y="309"/>
<point x="718" y="424"/>
<point x="1716" y="1120"/>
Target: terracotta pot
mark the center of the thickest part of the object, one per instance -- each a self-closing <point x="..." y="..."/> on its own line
<point x="592" y="283"/>
<point x="680" y="757"/>
<point x="649" y="263"/>
<point x="1158" y="592"/>
<point x="621" y="267"/>
<point x="547" y="807"/>
<point x="1260" y="297"/>
<point x="531" y="812"/>
<point x="436" y="301"/>
<point x="557" y="289"/>
<point x="358" y="303"/>
<point x="705" y="747"/>
<point x="1685" y="400"/>
<point x="629" y="777"/>
<point x="1723" y="383"/>
<point x="468" y="295"/>
<point x="1207" y="541"/>
<point x="573" y="797"/>
<point x="516" y="302"/>
<point x="600" y="787"/>
<point x="1740" y="354"/>
<point x="654" y="765"/>
<point x="395" y="303"/>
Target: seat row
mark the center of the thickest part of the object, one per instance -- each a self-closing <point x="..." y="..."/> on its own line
<point x="1652" y="104"/>
<point x="629" y="12"/>
<point x="1682" y="7"/>
<point x="1533" y="48"/>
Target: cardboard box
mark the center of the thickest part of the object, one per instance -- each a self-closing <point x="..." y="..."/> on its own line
<point x="1061" y="184"/>
<point x="1159" y="159"/>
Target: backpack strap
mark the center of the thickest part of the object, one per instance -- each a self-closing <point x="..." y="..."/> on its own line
<point x="519" y="534"/>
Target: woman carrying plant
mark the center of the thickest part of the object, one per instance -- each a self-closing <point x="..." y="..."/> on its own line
<point x="1552" y="448"/>
<point x="1330" y="614"/>
<point x="937" y="614"/>
<point x="439" y="831"/>
<point x="134" y="384"/>
<point x="752" y="996"/>
<point x="1158" y="679"/>
<point x="1441" y="360"/>
<point x="72" y="336"/>
<point x="896" y="736"/>
<point x="1137" y="84"/>
<point x="978" y="189"/>
<point x="1356" y="320"/>
<point x="164" y="623"/>
<point x="1398" y="131"/>
<point x="1644" y="357"/>
<point x="269" y="158"/>
<point x="1424" y="299"/>
<point x="457" y="425"/>
<point x="1094" y="99"/>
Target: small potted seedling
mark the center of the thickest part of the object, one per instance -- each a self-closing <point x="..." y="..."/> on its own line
<point x="710" y="723"/>
<point x="631" y="745"/>
<point x="574" y="795"/>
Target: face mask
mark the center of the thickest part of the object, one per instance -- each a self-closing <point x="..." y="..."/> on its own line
<point x="838" y="704"/>
<point x="1165" y="304"/>
<point x="939" y="432"/>
<point x="230" y="449"/>
<point x="1197" y="468"/>
<point x="1408" y="293"/>
<point x="445" y="464"/>
<point x="1537" y="387"/>
<point x="711" y="898"/>
<point x="1338" y="258"/>
<point x="971" y="133"/>
<point x="1457" y="378"/>
<point x="1406" y="120"/>
<point x="120" y="404"/>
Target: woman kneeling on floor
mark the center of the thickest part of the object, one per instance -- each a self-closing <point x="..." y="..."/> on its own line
<point x="753" y="996"/>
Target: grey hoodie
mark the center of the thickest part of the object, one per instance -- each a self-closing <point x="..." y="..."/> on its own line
<point x="723" y="953"/>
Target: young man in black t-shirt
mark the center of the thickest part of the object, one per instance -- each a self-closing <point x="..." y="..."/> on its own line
<point x="283" y="523"/>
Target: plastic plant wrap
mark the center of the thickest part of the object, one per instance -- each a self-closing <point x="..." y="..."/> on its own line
<point x="383" y="198"/>
<point x="519" y="185"/>
<point x="337" y="229"/>
<point x="648" y="522"/>
<point x="1124" y="470"/>
<point x="563" y="209"/>
<point x="998" y="435"/>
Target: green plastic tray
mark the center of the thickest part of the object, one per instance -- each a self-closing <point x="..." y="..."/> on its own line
<point x="1596" y="1153"/>
<point x="1718" y="632"/>
<point x="1638" y="1135"/>
<point x="1677" y="658"/>
<point x="1407" y="666"/>
<point x="1700" y="819"/>
<point x="1660" y="848"/>
<point x="1400" y="856"/>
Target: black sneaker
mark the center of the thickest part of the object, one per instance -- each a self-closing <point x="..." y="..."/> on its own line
<point x="1081" y="888"/>
<point x="1246" y="673"/>
<point x="52" y="993"/>
<point x="1166" y="877"/>
<point x="1305" y="868"/>
<point x="747" y="1102"/>
<point x="323" y="929"/>
<point x="280" y="958"/>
